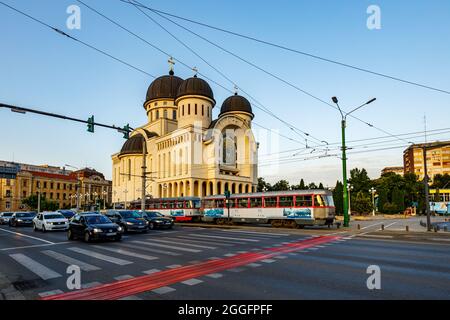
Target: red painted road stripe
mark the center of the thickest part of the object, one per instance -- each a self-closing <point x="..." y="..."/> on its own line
<point x="125" y="288"/>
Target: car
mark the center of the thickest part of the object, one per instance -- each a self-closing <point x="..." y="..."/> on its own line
<point x="129" y="220"/>
<point x="5" y="216"/>
<point x="68" y="214"/>
<point x="21" y="219"/>
<point x="50" y="221"/>
<point x="94" y="226"/>
<point x="157" y="220"/>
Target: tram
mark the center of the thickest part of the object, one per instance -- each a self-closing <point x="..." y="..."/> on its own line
<point x="180" y="209"/>
<point x="294" y="208"/>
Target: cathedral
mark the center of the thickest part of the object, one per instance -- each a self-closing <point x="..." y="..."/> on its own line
<point x="184" y="151"/>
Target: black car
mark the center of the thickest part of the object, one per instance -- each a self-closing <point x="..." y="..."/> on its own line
<point x="68" y="214"/>
<point x="129" y="220"/>
<point x="157" y="220"/>
<point x="21" y="219"/>
<point x="91" y="227"/>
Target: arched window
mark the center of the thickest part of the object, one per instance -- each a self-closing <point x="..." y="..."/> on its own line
<point x="129" y="169"/>
<point x="165" y="114"/>
<point x="189" y="109"/>
<point x="174" y="115"/>
<point x="195" y="109"/>
<point x="182" y="110"/>
<point x="203" y="110"/>
<point x="157" y="114"/>
<point x="229" y="148"/>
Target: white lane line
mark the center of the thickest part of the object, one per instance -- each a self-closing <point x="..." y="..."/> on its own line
<point x="225" y="238"/>
<point x="169" y="253"/>
<point x="214" y="258"/>
<point x="163" y="290"/>
<point x="215" y="243"/>
<point x="215" y="275"/>
<point x="192" y="282"/>
<point x="391" y="224"/>
<point x="439" y="239"/>
<point x="195" y="262"/>
<point x="268" y="260"/>
<point x="242" y="251"/>
<point x="127" y="253"/>
<point x="280" y="257"/>
<point x="256" y="232"/>
<point x="253" y="265"/>
<point x="151" y="271"/>
<point x="229" y="255"/>
<point x="70" y="261"/>
<point x="132" y="298"/>
<point x="34" y="246"/>
<point x="173" y="266"/>
<point x="100" y="256"/>
<point x="90" y="285"/>
<point x="124" y="277"/>
<point x="35" y="267"/>
<point x="50" y="293"/>
<point x="372" y="225"/>
<point x="27" y="236"/>
<point x="186" y="244"/>
<point x="169" y="247"/>
<point x="236" y="270"/>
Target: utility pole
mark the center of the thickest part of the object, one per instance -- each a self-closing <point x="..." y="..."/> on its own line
<point x="427" y="191"/>
<point x="39" y="197"/>
<point x="344" y="155"/>
<point x="144" y="172"/>
<point x="372" y="190"/>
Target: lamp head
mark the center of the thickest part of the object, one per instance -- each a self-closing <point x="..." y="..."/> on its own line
<point x="335" y="100"/>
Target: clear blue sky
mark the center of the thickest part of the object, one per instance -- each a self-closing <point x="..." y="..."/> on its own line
<point x="41" y="69"/>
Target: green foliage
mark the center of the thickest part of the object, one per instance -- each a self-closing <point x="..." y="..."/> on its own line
<point x="398" y="199"/>
<point x="281" y="185"/>
<point x="338" y="197"/>
<point x="360" y="181"/>
<point x="382" y="199"/>
<point x="441" y="181"/>
<point x="46" y="205"/>
<point x="362" y="203"/>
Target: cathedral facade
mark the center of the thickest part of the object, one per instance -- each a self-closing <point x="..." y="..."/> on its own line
<point x="186" y="151"/>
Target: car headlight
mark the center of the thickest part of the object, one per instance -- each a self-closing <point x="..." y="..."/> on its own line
<point x="19" y="220"/>
<point x="129" y="223"/>
<point x="146" y="222"/>
<point x="96" y="230"/>
<point x="119" y="229"/>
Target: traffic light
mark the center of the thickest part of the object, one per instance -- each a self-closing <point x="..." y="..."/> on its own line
<point x="227" y="194"/>
<point x="91" y="124"/>
<point x="126" y="132"/>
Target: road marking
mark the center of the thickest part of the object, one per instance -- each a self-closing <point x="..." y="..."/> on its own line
<point x="127" y="253"/>
<point x="27" y="236"/>
<point x="192" y="282"/>
<point x="100" y="256"/>
<point x="169" y="253"/>
<point x="242" y="251"/>
<point x="34" y="246"/>
<point x="391" y="224"/>
<point x="163" y="290"/>
<point x="219" y="237"/>
<point x="90" y="285"/>
<point x="253" y="265"/>
<point x="50" y="293"/>
<point x="69" y="260"/>
<point x="256" y="232"/>
<point x="173" y="266"/>
<point x="169" y="247"/>
<point x="439" y="239"/>
<point x="213" y="258"/>
<point x="35" y="267"/>
<point x="186" y="244"/>
<point x="124" y="277"/>
<point x="151" y="271"/>
<point x="215" y="275"/>
<point x="280" y="257"/>
<point x="236" y="270"/>
<point x="374" y="236"/>
<point x="229" y="255"/>
<point x="217" y="244"/>
<point x="132" y="298"/>
<point x="268" y="260"/>
<point x="372" y="225"/>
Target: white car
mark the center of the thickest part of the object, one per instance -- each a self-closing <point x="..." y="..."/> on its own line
<point x="49" y="221"/>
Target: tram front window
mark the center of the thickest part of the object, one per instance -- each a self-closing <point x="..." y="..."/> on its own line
<point x="319" y="201"/>
<point x="196" y="204"/>
<point x="330" y="201"/>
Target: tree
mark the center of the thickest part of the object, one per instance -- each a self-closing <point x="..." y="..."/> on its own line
<point x="441" y="181"/>
<point x="312" y="186"/>
<point x="263" y="185"/>
<point x="338" y="197"/>
<point x="382" y="199"/>
<point x="362" y="203"/>
<point x="46" y="205"/>
<point x="398" y="199"/>
<point x="281" y="185"/>
<point x="360" y="180"/>
<point x="321" y="186"/>
<point x="302" y="185"/>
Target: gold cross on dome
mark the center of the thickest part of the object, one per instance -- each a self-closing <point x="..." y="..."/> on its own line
<point x="195" y="70"/>
<point x="171" y="63"/>
<point x="236" y="88"/>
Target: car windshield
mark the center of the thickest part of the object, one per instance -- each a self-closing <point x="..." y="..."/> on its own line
<point x="24" y="215"/>
<point x="53" y="216"/>
<point x="154" y="214"/>
<point x="130" y="214"/>
<point x="97" y="220"/>
<point x="67" y="213"/>
<point x="7" y="214"/>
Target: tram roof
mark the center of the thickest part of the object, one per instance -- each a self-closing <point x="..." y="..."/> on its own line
<point x="274" y="193"/>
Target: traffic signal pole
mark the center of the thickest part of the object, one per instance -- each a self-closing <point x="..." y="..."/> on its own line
<point x="344" y="175"/>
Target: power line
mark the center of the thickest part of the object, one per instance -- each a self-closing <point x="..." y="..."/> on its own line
<point x="310" y="55"/>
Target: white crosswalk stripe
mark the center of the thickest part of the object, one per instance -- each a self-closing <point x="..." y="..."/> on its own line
<point x="100" y="256"/>
<point x="153" y="250"/>
<point x="215" y="243"/>
<point x="40" y="270"/>
<point x="263" y="234"/>
<point x="69" y="260"/>
<point x="127" y="253"/>
<point x="186" y="244"/>
<point x="221" y="237"/>
<point x="168" y="246"/>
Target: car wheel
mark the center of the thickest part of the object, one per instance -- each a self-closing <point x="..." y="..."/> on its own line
<point x="151" y="226"/>
<point x="70" y="235"/>
<point x="43" y="228"/>
<point x="87" y="237"/>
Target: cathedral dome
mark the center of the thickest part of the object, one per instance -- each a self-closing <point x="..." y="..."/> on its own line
<point x="165" y="87"/>
<point x="195" y="86"/>
<point x="236" y="103"/>
<point x="133" y="145"/>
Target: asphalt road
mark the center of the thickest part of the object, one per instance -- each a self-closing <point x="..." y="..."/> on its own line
<point x="200" y="263"/>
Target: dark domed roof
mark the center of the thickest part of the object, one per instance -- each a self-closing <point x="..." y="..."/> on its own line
<point x="165" y="87"/>
<point x="195" y="86"/>
<point x="236" y="103"/>
<point x="133" y="145"/>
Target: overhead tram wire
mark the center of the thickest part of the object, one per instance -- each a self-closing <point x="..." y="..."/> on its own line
<point x="77" y="40"/>
<point x="307" y="54"/>
<point x="222" y="74"/>
<point x="168" y="54"/>
<point x="261" y="69"/>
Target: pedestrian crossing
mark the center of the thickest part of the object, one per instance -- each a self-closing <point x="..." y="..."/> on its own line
<point x="159" y="250"/>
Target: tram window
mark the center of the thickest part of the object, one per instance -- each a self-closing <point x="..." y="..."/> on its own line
<point x="286" y="201"/>
<point x="208" y="203"/>
<point x="243" y="203"/>
<point x="171" y="204"/>
<point x="179" y="204"/>
<point x="164" y="205"/>
<point x="303" y="201"/>
<point x="319" y="201"/>
<point x="196" y="204"/>
<point x="270" y="202"/>
<point x="255" y="202"/>
<point x="219" y="203"/>
<point x="330" y="201"/>
<point x="187" y="204"/>
<point x="232" y="203"/>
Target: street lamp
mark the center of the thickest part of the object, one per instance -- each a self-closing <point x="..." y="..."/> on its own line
<point x="105" y="196"/>
<point x="350" y="188"/>
<point x="125" y="191"/>
<point x="344" y="156"/>
<point x="372" y="190"/>
<point x="78" y="185"/>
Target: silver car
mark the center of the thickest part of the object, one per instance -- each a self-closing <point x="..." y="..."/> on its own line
<point x="5" y="216"/>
